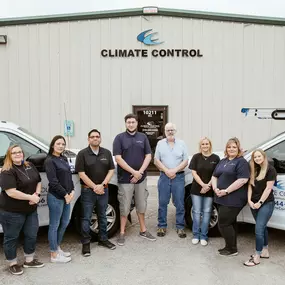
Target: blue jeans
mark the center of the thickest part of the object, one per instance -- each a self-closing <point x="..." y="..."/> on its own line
<point x="89" y="200"/>
<point x="12" y="224"/>
<point x="166" y="187"/>
<point x="59" y="213"/>
<point x="201" y="206"/>
<point x="262" y="216"/>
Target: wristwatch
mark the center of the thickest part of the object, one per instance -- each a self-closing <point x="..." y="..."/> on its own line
<point x="227" y="192"/>
<point x="260" y="202"/>
<point x="104" y="185"/>
<point x="39" y="194"/>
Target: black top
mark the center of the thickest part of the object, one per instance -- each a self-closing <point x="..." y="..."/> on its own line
<point x="227" y="172"/>
<point x="204" y="166"/>
<point x="59" y="176"/>
<point x="260" y="185"/>
<point x="96" y="167"/>
<point x="133" y="149"/>
<point x="24" y="179"/>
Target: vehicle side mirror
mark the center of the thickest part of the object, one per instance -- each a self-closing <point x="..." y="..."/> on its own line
<point x="38" y="160"/>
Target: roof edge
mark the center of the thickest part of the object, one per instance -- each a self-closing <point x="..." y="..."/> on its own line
<point x="139" y="12"/>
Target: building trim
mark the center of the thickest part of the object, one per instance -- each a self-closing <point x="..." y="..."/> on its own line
<point x="248" y="19"/>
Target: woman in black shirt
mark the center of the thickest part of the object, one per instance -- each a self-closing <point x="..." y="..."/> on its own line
<point x="202" y="165"/>
<point x="61" y="192"/>
<point x="21" y="187"/>
<point x="261" y="202"/>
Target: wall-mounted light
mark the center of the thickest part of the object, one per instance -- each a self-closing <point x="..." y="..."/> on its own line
<point x="3" y="39"/>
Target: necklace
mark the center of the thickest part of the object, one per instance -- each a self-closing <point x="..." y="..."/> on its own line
<point x="205" y="157"/>
<point x="24" y="173"/>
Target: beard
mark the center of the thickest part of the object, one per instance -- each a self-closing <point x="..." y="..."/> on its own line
<point x="132" y="132"/>
<point x="96" y="144"/>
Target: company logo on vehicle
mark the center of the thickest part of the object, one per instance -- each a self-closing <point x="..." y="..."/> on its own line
<point x="280" y="185"/>
<point x="148" y="38"/>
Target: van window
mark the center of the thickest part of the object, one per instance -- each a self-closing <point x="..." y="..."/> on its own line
<point x="277" y="154"/>
<point x="8" y="139"/>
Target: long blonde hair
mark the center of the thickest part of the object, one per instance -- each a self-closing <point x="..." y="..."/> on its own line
<point x="210" y="143"/>
<point x="255" y="168"/>
<point x="8" y="162"/>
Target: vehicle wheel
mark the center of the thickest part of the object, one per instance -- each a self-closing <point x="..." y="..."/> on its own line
<point x="213" y="227"/>
<point x="113" y="219"/>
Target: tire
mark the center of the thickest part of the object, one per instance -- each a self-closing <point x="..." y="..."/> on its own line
<point x="213" y="227"/>
<point x="112" y="213"/>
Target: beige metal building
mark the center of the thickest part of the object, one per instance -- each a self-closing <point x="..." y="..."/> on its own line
<point x="93" y="68"/>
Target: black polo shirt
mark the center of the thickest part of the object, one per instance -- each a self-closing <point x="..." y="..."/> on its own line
<point x="96" y="167"/>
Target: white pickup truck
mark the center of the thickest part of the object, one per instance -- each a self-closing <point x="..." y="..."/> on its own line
<point x="35" y="150"/>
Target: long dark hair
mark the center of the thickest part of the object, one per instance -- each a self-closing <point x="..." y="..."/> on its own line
<point x="53" y="142"/>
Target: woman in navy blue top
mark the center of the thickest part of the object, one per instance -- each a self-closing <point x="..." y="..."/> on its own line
<point x="61" y="193"/>
<point x="229" y="184"/>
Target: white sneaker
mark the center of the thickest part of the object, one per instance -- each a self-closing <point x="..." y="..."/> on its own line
<point x="60" y="259"/>
<point x="203" y="242"/>
<point x="64" y="253"/>
<point x="195" y="241"/>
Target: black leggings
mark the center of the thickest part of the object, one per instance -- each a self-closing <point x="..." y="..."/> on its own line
<point x="228" y="225"/>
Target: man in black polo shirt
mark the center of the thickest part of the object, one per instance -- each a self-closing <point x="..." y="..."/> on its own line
<point x="133" y="155"/>
<point x="95" y="167"/>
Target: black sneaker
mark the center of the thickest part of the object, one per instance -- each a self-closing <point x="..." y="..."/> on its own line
<point x="222" y="249"/>
<point x="33" y="264"/>
<point x="86" y="249"/>
<point x="227" y="252"/>
<point x="16" y="269"/>
<point x="107" y="244"/>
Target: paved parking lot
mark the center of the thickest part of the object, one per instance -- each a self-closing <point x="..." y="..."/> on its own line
<point x="169" y="260"/>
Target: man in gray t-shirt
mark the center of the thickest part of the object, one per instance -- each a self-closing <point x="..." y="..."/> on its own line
<point x="171" y="157"/>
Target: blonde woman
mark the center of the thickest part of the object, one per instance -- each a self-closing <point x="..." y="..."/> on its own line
<point x="229" y="184"/>
<point x="21" y="187"/>
<point x="202" y="165"/>
<point x="261" y="202"/>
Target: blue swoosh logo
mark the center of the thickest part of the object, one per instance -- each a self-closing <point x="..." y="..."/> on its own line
<point x="279" y="185"/>
<point x="148" y="39"/>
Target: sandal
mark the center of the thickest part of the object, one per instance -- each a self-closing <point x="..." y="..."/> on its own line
<point x="253" y="263"/>
<point x="265" y="257"/>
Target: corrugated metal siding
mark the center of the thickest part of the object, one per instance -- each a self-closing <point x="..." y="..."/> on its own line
<point x="46" y="68"/>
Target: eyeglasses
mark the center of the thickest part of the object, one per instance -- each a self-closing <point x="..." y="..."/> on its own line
<point x="17" y="152"/>
<point x="170" y="131"/>
<point x="93" y="137"/>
